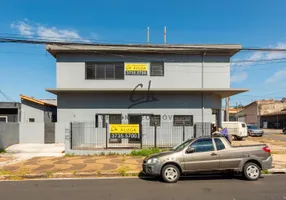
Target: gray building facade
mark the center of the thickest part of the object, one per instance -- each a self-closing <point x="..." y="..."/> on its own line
<point x="10" y="112"/>
<point x="135" y="81"/>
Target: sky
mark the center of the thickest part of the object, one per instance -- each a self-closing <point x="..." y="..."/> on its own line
<point x="29" y="69"/>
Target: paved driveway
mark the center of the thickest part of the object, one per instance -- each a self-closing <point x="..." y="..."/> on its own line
<point x="20" y="152"/>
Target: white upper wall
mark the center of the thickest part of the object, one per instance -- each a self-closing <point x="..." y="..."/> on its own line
<point x="181" y="71"/>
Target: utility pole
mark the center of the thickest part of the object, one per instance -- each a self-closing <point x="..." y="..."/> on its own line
<point x="236" y="119"/>
<point x="227" y="109"/>
<point x="148" y="35"/>
<point x="165" y="35"/>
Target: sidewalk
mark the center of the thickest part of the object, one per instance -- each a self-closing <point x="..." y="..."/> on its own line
<point x="97" y="166"/>
<point x="75" y="166"/>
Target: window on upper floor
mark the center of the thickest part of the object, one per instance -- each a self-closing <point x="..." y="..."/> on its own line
<point x="104" y="71"/>
<point x="157" y="69"/>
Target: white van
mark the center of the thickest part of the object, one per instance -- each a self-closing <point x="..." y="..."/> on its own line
<point x="238" y="130"/>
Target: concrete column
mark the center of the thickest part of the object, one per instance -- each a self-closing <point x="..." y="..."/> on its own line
<point x="68" y="140"/>
<point x="219" y="118"/>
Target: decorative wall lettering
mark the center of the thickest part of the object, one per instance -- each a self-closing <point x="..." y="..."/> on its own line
<point x="149" y="97"/>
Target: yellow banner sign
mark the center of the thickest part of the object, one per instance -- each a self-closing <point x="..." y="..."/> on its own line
<point x="124" y="128"/>
<point x="136" y="68"/>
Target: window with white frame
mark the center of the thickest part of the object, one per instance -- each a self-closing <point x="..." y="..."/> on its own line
<point x="157" y="69"/>
<point x="3" y="119"/>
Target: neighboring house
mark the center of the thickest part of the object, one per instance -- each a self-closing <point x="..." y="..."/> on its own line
<point x="274" y="119"/>
<point x="252" y="113"/>
<point x="34" y="110"/>
<point x="232" y="114"/>
<point x="178" y="83"/>
<point x="10" y="112"/>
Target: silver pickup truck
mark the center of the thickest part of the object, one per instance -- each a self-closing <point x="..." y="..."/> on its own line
<point x="208" y="154"/>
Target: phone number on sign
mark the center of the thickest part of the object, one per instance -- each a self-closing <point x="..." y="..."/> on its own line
<point x="136" y="73"/>
<point x="127" y="136"/>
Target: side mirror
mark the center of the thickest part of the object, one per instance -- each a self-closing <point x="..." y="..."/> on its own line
<point x="190" y="150"/>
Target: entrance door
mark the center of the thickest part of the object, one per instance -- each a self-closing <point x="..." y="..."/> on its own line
<point x="135" y="119"/>
<point x="204" y="157"/>
<point x="49" y="133"/>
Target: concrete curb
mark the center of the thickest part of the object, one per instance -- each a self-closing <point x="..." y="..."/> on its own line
<point x="277" y="171"/>
<point x="70" y="175"/>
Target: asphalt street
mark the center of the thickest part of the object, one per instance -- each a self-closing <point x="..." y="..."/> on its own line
<point x="220" y="188"/>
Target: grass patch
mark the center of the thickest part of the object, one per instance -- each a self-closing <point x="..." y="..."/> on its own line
<point x="113" y="154"/>
<point x="5" y="172"/>
<point x="69" y="155"/>
<point x="2" y="150"/>
<point x="145" y="152"/>
<point x="123" y="170"/>
<point x="22" y="171"/>
<point x="15" y="178"/>
<point x="98" y="172"/>
<point x="265" y="171"/>
<point x="49" y="174"/>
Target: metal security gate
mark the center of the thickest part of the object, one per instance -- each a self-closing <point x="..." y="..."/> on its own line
<point x="49" y="133"/>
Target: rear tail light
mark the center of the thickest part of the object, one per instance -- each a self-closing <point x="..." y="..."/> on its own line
<point x="267" y="149"/>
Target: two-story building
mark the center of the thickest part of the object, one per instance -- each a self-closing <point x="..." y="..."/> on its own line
<point x="179" y="84"/>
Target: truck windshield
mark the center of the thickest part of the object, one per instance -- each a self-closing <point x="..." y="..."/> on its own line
<point x="181" y="146"/>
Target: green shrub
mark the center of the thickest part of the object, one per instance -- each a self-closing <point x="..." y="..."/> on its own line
<point x="49" y="174"/>
<point x="69" y="155"/>
<point x="112" y="154"/>
<point x="145" y="152"/>
<point x="2" y="150"/>
<point x="123" y="170"/>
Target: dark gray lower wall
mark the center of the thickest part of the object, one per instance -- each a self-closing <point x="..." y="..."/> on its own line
<point x="9" y="134"/>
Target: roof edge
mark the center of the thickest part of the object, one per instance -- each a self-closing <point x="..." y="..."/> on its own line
<point x="231" y="49"/>
<point x="31" y="99"/>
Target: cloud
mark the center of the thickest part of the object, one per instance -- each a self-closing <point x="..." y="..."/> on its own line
<point x="23" y="28"/>
<point x="39" y="31"/>
<point x="256" y="56"/>
<point x="238" y="76"/>
<point x="252" y="58"/>
<point x="277" y="55"/>
<point x="262" y="56"/>
<point x="277" y="76"/>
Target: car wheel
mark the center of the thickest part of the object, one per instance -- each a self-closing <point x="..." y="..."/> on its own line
<point x="234" y="137"/>
<point x="170" y="173"/>
<point x="251" y="171"/>
<point x="239" y="138"/>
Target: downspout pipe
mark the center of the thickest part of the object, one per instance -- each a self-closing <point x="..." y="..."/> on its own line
<point x="203" y="127"/>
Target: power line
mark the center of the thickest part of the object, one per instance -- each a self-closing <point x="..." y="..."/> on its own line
<point x="15" y="40"/>
<point x="9" y="40"/>
<point x="19" y="36"/>
<point x="21" y="53"/>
